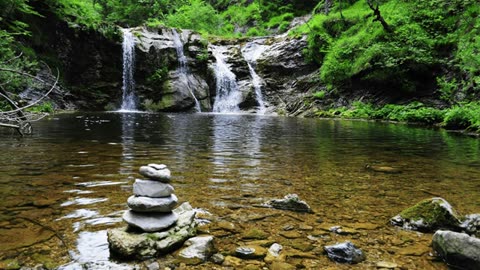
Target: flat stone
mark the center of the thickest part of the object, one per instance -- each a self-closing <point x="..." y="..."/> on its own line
<point x="291" y="234"/>
<point x="290" y="202"/>
<point x="153" y="189"/>
<point x="162" y="175"/>
<point x="282" y="266"/>
<point x="345" y="253"/>
<point x="152" y="205"/>
<point x="151" y="222"/>
<point x="198" y="250"/>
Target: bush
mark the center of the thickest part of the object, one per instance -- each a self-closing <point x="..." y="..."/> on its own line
<point x="465" y="116"/>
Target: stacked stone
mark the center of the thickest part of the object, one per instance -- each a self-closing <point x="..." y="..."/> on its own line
<point x="153" y="200"/>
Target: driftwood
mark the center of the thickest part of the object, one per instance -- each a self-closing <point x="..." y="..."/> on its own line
<point x="17" y="118"/>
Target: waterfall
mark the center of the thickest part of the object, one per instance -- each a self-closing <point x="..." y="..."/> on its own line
<point x="128" y="88"/>
<point x="228" y="95"/>
<point x="182" y="65"/>
<point x="251" y="52"/>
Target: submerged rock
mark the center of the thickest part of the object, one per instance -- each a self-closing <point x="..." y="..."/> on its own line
<point x="427" y="216"/>
<point x="151" y="222"/>
<point x="345" y="253"/>
<point x="383" y="169"/>
<point x="152" y="205"/>
<point x="143" y="245"/>
<point x="250" y="252"/>
<point x="290" y="202"/>
<point x="198" y="250"/>
<point x="457" y="249"/>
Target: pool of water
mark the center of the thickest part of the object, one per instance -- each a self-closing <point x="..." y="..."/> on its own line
<point x="63" y="187"/>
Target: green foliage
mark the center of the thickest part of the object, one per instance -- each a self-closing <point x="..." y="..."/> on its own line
<point x="465" y="116"/>
<point x="196" y="15"/>
<point x="447" y="88"/>
<point x="45" y="107"/>
<point x="159" y="76"/>
<point x="319" y="95"/>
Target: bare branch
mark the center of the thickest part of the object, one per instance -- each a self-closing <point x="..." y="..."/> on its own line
<point x="378" y="16"/>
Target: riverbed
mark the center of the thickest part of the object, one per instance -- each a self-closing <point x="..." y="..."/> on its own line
<point x="65" y="185"/>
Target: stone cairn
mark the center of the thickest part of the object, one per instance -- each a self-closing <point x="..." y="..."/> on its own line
<point x="152" y="201"/>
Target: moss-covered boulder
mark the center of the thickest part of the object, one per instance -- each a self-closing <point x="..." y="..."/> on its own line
<point x="427" y="216"/>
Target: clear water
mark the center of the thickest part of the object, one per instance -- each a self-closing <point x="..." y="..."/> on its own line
<point x="74" y="175"/>
<point x="128" y="87"/>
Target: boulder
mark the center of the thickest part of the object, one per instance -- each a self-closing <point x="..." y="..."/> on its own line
<point x="471" y="224"/>
<point x="345" y="253"/>
<point x="153" y="189"/>
<point x="151" y="222"/>
<point x="427" y="216"/>
<point x="162" y="175"/>
<point x="459" y="250"/>
<point x="290" y="202"/>
<point x="152" y="205"/>
<point x="198" y="250"/>
<point x="127" y="244"/>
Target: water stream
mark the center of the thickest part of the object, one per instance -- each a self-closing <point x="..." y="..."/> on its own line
<point x="128" y="87"/>
<point x="228" y="95"/>
<point x="75" y="174"/>
<point x="183" y="66"/>
<point x="251" y="52"/>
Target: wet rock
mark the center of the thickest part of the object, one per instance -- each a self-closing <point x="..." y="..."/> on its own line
<point x="231" y="261"/>
<point x="255" y="234"/>
<point x="302" y="245"/>
<point x="273" y="252"/>
<point x="471" y="224"/>
<point x="345" y="253"/>
<point x="162" y="175"/>
<point x="342" y="230"/>
<point x="151" y="222"/>
<point x="291" y="234"/>
<point x="250" y="252"/>
<point x="457" y="249"/>
<point x="414" y="250"/>
<point x="427" y="215"/>
<point x="198" y="250"/>
<point x="143" y="245"/>
<point x="153" y="189"/>
<point x="153" y="266"/>
<point x="217" y="258"/>
<point x="152" y="205"/>
<point x="290" y="202"/>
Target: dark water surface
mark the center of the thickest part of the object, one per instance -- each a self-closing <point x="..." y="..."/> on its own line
<point x="69" y="183"/>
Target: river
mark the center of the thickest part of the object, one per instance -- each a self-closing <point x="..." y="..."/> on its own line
<point x="69" y="182"/>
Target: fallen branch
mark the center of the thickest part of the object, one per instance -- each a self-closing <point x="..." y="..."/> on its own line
<point x="378" y="16"/>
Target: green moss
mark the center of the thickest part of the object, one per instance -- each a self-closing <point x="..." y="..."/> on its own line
<point x="255" y="234"/>
<point x="431" y="212"/>
<point x="10" y="264"/>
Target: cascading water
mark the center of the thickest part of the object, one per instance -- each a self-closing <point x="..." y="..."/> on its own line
<point x="251" y="52"/>
<point x="228" y="95"/>
<point x="182" y="65"/>
<point x="128" y="88"/>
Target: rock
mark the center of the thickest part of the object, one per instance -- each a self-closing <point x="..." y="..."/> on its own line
<point x="291" y="234"/>
<point x="198" y="250"/>
<point x="471" y="224"/>
<point x="387" y="265"/>
<point x="143" y="245"/>
<point x="152" y="205"/>
<point x="290" y="202"/>
<point x="457" y="249"/>
<point x="250" y="252"/>
<point x="151" y="222"/>
<point x="273" y="253"/>
<point x="255" y="234"/>
<point x="153" y="266"/>
<point x="153" y="189"/>
<point x="231" y="261"/>
<point x="427" y="215"/>
<point x="382" y="169"/>
<point x="217" y="258"/>
<point x="157" y="166"/>
<point x="162" y="175"/>
<point x="345" y="253"/>
<point x="414" y="250"/>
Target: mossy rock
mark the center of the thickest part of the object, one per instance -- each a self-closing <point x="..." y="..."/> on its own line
<point x="427" y="216"/>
